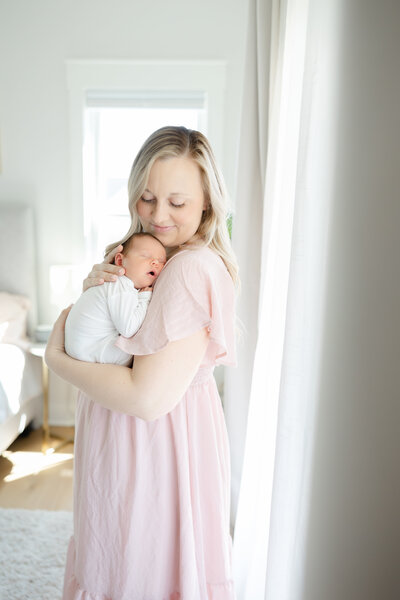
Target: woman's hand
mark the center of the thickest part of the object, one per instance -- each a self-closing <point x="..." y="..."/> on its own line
<point x="55" y="344"/>
<point x="105" y="271"/>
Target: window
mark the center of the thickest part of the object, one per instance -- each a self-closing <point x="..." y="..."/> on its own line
<point x="115" y="126"/>
<point x="113" y="106"/>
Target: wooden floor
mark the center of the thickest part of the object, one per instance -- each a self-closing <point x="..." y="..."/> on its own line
<point x="31" y="479"/>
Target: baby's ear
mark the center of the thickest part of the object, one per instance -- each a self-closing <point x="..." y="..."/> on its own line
<point x="118" y="259"/>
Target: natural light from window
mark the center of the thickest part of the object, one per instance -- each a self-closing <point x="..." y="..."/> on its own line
<point x="112" y="137"/>
<point x="25" y="464"/>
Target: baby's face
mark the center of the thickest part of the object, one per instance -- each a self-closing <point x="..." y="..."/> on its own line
<point x="143" y="261"/>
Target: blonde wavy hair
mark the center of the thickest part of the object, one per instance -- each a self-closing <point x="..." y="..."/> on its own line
<point x="169" y="142"/>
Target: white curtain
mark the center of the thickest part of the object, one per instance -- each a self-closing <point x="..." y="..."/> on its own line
<point x="291" y="72"/>
<point x="247" y="230"/>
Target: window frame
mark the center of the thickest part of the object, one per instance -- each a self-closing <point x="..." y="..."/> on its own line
<point x="87" y="77"/>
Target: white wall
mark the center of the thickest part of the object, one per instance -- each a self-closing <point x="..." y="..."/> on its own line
<point x="35" y="40"/>
<point x="353" y="536"/>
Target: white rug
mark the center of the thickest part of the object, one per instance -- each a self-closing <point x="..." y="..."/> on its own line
<point x="33" y="547"/>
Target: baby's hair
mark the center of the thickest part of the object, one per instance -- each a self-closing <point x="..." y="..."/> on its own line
<point x="128" y="243"/>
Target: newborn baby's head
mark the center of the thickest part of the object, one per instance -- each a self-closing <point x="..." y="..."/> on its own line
<point x="142" y="257"/>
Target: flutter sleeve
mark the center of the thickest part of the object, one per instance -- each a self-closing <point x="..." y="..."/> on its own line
<point x="193" y="291"/>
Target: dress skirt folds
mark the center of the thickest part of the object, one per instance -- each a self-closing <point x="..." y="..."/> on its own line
<point x="152" y="499"/>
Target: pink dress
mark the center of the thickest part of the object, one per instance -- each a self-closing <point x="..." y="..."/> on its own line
<point x="152" y="499"/>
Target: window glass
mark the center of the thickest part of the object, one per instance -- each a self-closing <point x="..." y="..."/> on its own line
<point x="112" y="137"/>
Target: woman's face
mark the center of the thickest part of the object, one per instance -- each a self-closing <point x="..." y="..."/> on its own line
<point x="172" y="204"/>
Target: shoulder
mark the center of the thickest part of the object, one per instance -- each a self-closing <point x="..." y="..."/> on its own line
<point x="196" y="259"/>
<point x="91" y="295"/>
<point x="194" y="269"/>
<point x="123" y="284"/>
<point x="126" y="284"/>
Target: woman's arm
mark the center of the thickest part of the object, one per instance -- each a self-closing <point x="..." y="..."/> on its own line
<point x="151" y="389"/>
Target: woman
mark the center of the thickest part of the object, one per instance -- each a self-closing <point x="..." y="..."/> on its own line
<point x="152" y="465"/>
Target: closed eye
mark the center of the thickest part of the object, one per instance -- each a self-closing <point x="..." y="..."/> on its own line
<point x="173" y="204"/>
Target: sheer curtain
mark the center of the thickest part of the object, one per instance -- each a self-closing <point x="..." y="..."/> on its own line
<point x="296" y="166"/>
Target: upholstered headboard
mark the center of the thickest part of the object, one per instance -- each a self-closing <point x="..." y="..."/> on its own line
<point x="18" y="255"/>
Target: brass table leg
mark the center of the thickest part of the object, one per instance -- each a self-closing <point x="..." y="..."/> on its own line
<point x="46" y="446"/>
<point x="45" y="387"/>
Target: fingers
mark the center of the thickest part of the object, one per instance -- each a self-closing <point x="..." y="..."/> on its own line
<point x="111" y="255"/>
<point x="62" y="317"/>
<point x="91" y="282"/>
<point x="104" y="271"/>
<point x="99" y="278"/>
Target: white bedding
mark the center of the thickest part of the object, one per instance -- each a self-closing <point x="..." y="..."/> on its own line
<point x="19" y="379"/>
<point x="19" y="375"/>
<point x="20" y="372"/>
<point x="14" y="310"/>
<point x="20" y="392"/>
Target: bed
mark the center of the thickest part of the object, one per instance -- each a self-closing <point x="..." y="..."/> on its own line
<point x="20" y="371"/>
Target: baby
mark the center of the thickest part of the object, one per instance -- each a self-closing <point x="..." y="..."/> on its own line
<point x="103" y="312"/>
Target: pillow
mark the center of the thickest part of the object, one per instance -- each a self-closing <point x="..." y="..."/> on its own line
<point x="13" y="317"/>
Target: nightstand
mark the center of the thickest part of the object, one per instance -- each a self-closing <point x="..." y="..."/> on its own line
<point x="38" y="349"/>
